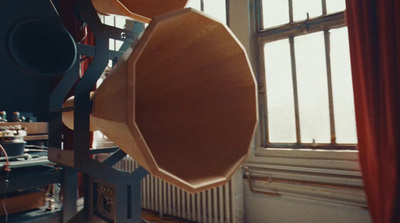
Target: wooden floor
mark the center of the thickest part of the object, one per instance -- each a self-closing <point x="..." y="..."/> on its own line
<point x="152" y="217"/>
<point x="40" y="216"/>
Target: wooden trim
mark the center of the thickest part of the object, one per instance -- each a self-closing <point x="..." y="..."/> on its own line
<point x="32" y="128"/>
<point x="140" y="10"/>
<point x="23" y="202"/>
<point x="36" y="137"/>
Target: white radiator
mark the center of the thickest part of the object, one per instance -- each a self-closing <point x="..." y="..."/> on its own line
<point x="218" y="205"/>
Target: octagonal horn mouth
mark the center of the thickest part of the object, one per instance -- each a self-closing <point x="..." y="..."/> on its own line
<point x="182" y="103"/>
<point x="141" y="10"/>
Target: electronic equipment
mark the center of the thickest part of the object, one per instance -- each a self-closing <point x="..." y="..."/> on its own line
<point x="105" y="201"/>
<point x="12" y="140"/>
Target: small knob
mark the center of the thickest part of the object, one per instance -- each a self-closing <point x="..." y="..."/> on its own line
<point x="17" y="117"/>
<point x="3" y="116"/>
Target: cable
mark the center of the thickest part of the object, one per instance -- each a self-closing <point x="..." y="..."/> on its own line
<point x="7" y="169"/>
<point x="5" y="198"/>
<point x="36" y="146"/>
<point x="84" y="27"/>
<point x="7" y="165"/>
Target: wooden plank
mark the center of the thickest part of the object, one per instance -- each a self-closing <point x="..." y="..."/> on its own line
<point x="141" y="10"/>
<point x="36" y="137"/>
<point x="23" y="202"/>
<point x="32" y="128"/>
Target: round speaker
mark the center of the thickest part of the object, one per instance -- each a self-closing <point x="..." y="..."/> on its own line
<point x="42" y="47"/>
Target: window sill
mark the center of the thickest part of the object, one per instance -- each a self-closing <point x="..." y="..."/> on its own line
<point x="340" y="160"/>
<point x="334" y="175"/>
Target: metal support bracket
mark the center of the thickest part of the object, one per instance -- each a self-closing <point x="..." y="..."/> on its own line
<point x="128" y="191"/>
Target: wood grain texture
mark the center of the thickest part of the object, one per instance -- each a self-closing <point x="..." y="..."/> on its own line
<point x="23" y="202"/>
<point x="183" y="102"/>
<point x="32" y="128"/>
<point x="141" y="10"/>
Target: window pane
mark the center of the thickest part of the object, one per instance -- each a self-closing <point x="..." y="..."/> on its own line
<point x="120" y="22"/>
<point x="216" y="9"/>
<point x="195" y="4"/>
<point x="312" y="88"/>
<point x="333" y="6"/>
<point x="301" y="8"/>
<point x="275" y="12"/>
<point x="281" y="118"/>
<point x="342" y="87"/>
<point x="118" y="44"/>
<point x="109" y="20"/>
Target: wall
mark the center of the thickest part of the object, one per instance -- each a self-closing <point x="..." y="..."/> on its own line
<point x="24" y="93"/>
<point x="261" y="208"/>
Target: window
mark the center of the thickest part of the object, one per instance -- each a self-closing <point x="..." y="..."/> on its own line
<point x="99" y="139"/>
<point x="116" y="21"/>
<point x="305" y="86"/>
<point x="214" y="8"/>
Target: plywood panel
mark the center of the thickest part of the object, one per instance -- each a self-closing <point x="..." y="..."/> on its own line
<point x="141" y="10"/>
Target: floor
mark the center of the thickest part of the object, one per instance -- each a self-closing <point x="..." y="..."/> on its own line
<point x="41" y="216"/>
<point x="152" y="217"/>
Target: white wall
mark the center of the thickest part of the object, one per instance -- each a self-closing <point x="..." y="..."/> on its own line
<point x="261" y="208"/>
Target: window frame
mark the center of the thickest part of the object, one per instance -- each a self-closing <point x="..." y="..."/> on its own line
<point x="324" y="23"/>
<point x="324" y="168"/>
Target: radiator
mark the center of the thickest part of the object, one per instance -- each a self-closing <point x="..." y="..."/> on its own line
<point x="218" y="205"/>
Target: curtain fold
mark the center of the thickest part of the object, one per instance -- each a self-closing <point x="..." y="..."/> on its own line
<point x="374" y="35"/>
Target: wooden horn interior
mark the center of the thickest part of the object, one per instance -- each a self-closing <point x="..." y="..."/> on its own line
<point x="141" y="10"/>
<point x="182" y="102"/>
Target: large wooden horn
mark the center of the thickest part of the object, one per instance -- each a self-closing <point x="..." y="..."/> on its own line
<point x="141" y="10"/>
<point x="183" y="102"/>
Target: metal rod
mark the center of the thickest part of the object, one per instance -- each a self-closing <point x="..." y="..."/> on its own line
<point x="335" y="20"/>
<point x="295" y="90"/>
<point x="313" y="146"/>
<point x="227" y="12"/>
<point x="324" y="10"/>
<point x="247" y="172"/>
<point x="259" y="15"/>
<point x="290" y="11"/>
<point x="259" y="68"/>
<point x="202" y="5"/>
<point x="330" y="90"/>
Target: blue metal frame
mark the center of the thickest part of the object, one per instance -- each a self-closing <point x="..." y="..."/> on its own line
<point x="128" y="209"/>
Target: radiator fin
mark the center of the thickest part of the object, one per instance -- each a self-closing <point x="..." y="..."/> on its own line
<point x="215" y="205"/>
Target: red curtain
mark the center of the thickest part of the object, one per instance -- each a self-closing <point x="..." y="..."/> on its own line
<point x="374" y="35"/>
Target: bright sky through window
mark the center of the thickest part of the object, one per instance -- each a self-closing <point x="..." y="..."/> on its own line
<point x="213" y="8"/>
<point x="309" y="67"/>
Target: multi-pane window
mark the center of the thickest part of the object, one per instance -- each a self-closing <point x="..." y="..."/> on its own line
<point x="306" y="96"/>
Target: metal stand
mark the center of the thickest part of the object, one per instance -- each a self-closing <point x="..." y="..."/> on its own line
<point x="126" y="185"/>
